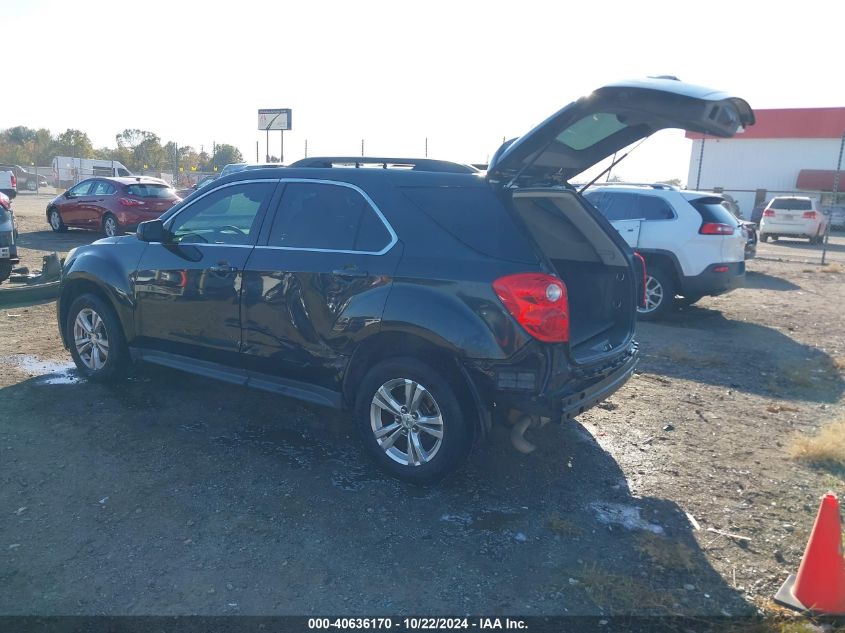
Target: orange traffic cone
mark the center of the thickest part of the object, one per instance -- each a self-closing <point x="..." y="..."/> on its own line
<point x="819" y="585"/>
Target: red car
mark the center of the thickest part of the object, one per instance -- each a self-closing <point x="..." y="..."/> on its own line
<point x="111" y="205"/>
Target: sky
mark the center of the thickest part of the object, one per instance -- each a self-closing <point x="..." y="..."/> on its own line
<point x="463" y="74"/>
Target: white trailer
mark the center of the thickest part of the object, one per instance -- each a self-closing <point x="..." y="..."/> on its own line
<point x="68" y="171"/>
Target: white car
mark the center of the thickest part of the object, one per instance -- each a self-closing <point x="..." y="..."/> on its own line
<point x="793" y="216"/>
<point x="692" y="245"/>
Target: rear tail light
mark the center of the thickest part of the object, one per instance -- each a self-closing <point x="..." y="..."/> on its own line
<point x="720" y="269"/>
<point x="645" y="278"/>
<point x="809" y="215"/>
<point x="14" y="181"/>
<point x="538" y="302"/>
<point x="714" y="228"/>
<point x="130" y="202"/>
<point x="768" y="213"/>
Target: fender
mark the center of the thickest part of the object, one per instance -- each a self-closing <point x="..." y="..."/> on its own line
<point x="110" y="272"/>
<point x="645" y="252"/>
<point x="459" y="326"/>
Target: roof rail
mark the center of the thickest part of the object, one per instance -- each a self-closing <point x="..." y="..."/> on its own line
<point x="653" y="185"/>
<point x="415" y="164"/>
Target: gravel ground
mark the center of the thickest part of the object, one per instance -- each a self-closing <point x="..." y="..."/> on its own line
<point x="170" y="494"/>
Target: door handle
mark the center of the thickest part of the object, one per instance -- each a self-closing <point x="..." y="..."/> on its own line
<point x="223" y="268"/>
<point x="352" y="271"/>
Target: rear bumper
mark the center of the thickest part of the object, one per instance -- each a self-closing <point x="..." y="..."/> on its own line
<point x="798" y="230"/>
<point x="715" y="280"/>
<point x="583" y="389"/>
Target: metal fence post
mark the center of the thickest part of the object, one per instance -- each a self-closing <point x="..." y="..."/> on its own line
<point x="834" y="197"/>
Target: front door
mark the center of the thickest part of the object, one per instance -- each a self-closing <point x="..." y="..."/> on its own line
<point x="72" y="206"/>
<point x="188" y="289"/>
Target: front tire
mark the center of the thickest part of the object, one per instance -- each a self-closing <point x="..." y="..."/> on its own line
<point x="411" y="421"/>
<point x="96" y="339"/>
<point x="660" y="294"/>
<point x="55" y="220"/>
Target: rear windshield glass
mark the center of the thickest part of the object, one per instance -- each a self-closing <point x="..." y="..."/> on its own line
<point x="711" y="210"/>
<point x="476" y="217"/>
<point x="798" y="204"/>
<point x="150" y="191"/>
<point x="590" y="130"/>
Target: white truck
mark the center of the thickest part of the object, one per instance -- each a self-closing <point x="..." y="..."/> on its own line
<point x="68" y="171"/>
<point x="8" y="183"/>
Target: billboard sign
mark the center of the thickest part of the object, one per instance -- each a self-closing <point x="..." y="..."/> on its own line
<point x="274" y="119"/>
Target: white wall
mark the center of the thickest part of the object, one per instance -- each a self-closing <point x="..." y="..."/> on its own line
<point x="750" y="164"/>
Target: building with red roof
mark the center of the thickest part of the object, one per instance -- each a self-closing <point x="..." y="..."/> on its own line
<point x="786" y="151"/>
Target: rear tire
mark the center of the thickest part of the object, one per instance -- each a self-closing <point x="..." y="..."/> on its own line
<point x="96" y="339"/>
<point x="55" y="220"/>
<point x="411" y="421"/>
<point x="111" y="227"/>
<point x="5" y="270"/>
<point x="763" y="237"/>
<point x="660" y="293"/>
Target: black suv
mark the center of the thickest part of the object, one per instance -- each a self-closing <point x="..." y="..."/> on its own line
<point x="422" y="299"/>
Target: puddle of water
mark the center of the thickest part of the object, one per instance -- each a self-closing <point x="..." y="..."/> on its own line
<point x="51" y="372"/>
<point x="626" y="516"/>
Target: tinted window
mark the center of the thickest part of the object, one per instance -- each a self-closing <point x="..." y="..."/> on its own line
<point x="614" y="206"/>
<point x="81" y="189"/>
<point x="331" y="217"/>
<point x="476" y="217"/>
<point x="150" y="191"/>
<point x="103" y="188"/>
<point x="228" y="215"/>
<point x="653" y="208"/>
<point x="796" y="204"/>
<point x="711" y="210"/>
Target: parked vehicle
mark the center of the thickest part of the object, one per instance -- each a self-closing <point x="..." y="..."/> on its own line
<point x="8" y="184"/>
<point x="693" y="246"/>
<point x="233" y="168"/>
<point x="205" y="180"/>
<point x="836" y="215"/>
<point x="793" y="216"/>
<point x="8" y="238"/>
<point x="26" y="179"/>
<point x="421" y="301"/>
<point x="110" y="205"/>
<point x="749" y="228"/>
<point x="67" y="171"/>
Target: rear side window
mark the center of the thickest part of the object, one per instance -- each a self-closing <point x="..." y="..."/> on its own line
<point x="150" y="191"/>
<point x="475" y="217"/>
<point x="711" y="210"/>
<point x="653" y="208"/>
<point x="796" y="204"/>
<point x="103" y="188"/>
<point x="327" y="217"/>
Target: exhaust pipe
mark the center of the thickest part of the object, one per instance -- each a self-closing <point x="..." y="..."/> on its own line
<point x="518" y="435"/>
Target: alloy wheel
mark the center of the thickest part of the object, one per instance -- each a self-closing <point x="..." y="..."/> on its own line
<point x="110" y="226"/>
<point x="653" y="295"/>
<point x="55" y="220"/>
<point x="407" y="422"/>
<point x="91" y="339"/>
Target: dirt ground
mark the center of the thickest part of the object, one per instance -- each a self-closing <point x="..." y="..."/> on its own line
<point x="170" y="494"/>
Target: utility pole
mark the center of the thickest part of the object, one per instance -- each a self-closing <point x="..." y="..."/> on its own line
<point x="700" y="162"/>
<point x="835" y="196"/>
<point x="362" y="147"/>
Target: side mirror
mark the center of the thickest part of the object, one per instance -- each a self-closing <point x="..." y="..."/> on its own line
<point x="151" y="231"/>
<point x="66" y="194"/>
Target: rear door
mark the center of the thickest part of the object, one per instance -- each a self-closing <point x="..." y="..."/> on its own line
<point x="101" y="196"/>
<point x="621" y="211"/>
<point x="188" y="290"/>
<point x="317" y="284"/>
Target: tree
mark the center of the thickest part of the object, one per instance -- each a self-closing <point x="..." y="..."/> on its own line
<point x="144" y="148"/>
<point x="74" y="143"/>
<point x="225" y="154"/>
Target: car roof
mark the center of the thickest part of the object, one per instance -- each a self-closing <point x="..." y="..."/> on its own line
<point x="131" y="180"/>
<point x="376" y="162"/>
<point x="397" y="177"/>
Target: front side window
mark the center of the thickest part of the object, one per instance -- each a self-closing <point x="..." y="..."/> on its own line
<point x="81" y="189"/>
<point x="327" y="217"/>
<point x="614" y="206"/>
<point x="229" y="215"/>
